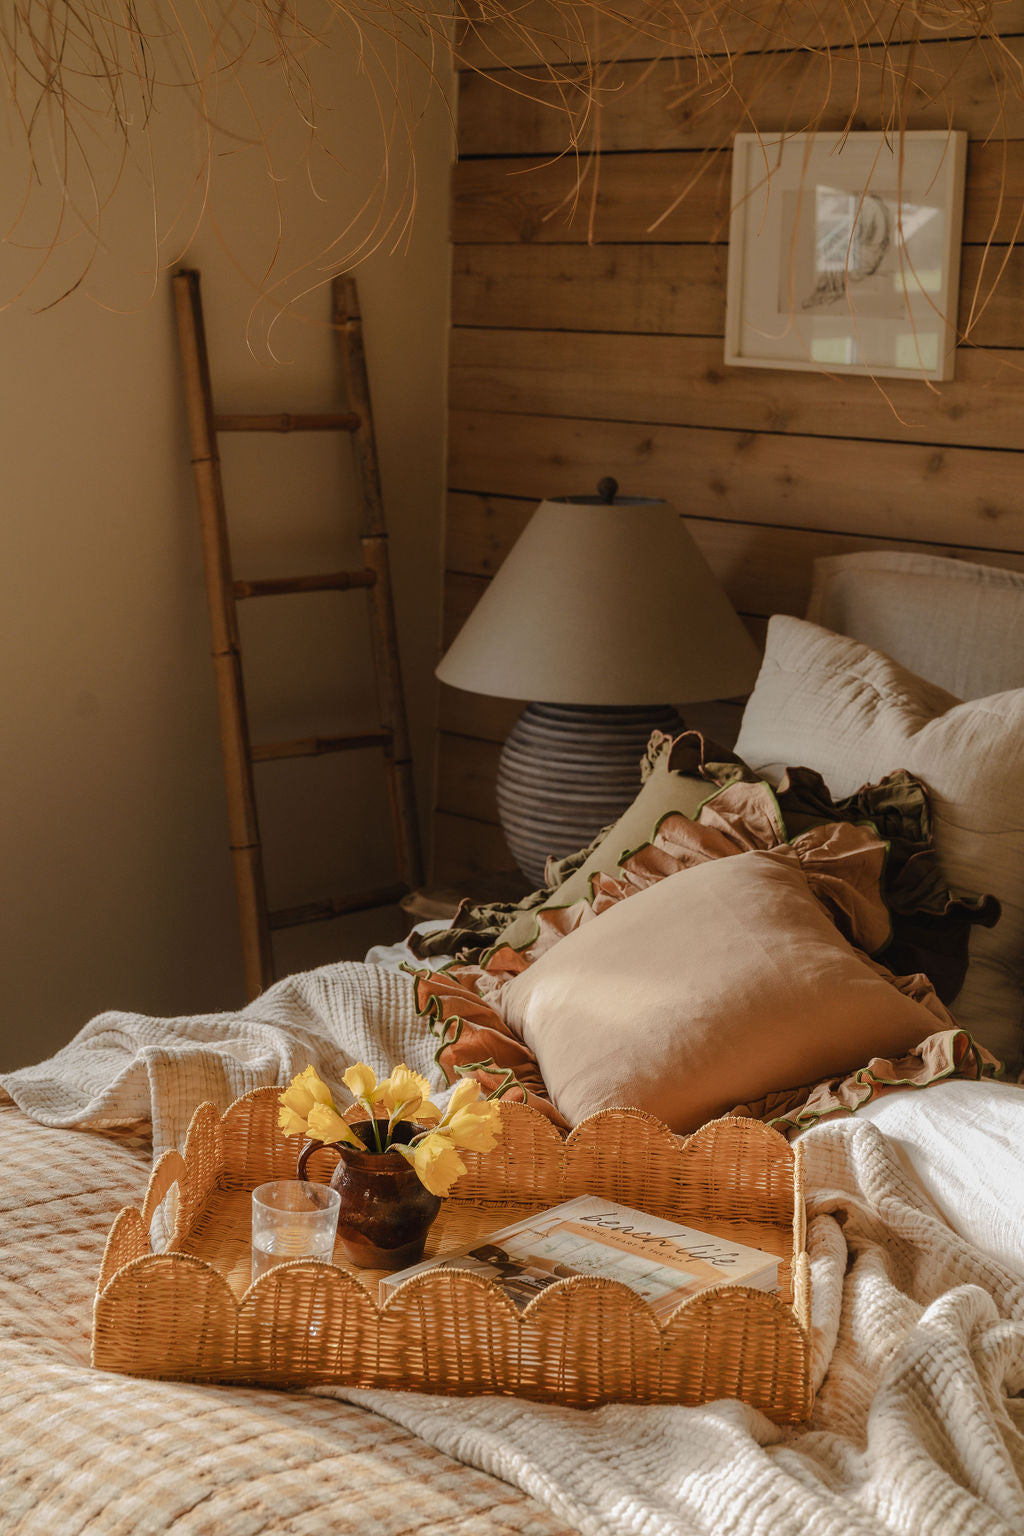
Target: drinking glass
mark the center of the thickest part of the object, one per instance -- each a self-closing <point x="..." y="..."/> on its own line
<point x="292" y="1220"/>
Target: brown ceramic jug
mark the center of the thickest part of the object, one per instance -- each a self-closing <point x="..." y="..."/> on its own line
<point x="386" y="1211"/>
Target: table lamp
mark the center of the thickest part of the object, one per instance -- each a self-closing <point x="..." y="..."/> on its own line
<point x="602" y="612"/>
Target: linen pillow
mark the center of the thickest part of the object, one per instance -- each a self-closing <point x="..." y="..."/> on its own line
<point x="854" y="715"/>
<point x="938" y="616"/>
<point x="711" y="988"/>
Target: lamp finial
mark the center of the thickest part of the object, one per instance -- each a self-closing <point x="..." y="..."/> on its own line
<point x="607" y="489"/>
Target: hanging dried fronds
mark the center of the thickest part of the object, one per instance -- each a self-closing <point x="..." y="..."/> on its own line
<point x="102" y="94"/>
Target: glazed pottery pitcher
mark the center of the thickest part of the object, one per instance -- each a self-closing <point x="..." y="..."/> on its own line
<point x="386" y="1211"/>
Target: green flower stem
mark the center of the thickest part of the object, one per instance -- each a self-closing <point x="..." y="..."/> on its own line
<point x="373" y="1121"/>
<point x="397" y="1115"/>
<point x="431" y="1130"/>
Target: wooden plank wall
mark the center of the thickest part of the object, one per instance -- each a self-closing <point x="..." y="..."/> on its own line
<point x="589" y="342"/>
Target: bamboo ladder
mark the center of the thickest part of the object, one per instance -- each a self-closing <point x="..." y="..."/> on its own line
<point x="224" y="593"/>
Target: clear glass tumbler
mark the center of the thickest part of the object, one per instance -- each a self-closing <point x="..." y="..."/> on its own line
<point x="292" y="1220"/>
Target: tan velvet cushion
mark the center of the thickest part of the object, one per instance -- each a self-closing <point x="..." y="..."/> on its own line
<point x="711" y="988"/>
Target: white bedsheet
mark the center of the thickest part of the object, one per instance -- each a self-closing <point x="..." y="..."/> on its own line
<point x="963" y="1143"/>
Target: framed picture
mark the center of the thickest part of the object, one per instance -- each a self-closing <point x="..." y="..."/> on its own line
<point x="844" y="252"/>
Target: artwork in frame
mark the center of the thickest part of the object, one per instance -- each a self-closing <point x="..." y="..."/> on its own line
<point x="844" y="252"/>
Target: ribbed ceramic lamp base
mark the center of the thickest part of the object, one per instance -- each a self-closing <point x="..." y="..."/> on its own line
<point x="566" y="771"/>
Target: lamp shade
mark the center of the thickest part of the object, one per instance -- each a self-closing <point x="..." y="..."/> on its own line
<point x="603" y="602"/>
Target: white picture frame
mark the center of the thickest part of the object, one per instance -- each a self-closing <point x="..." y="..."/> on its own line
<point x="844" y="252"/>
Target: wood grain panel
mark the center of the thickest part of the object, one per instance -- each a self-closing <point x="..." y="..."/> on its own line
<point x="672" y="289"/>
<point x="465" y="849"/>
<point x="682" y="381"/>
<point x="476" y="714"/>
<point x="676" y="289"/>
<point x="480" y="530"/>
<point x="635" y="29"/>
<point x="765" y="569"/>
<point x="466" y="774"/>
<point x="548" y="201"/>
<point x="679" y="104"/>
<point x="461" y="595"/>
<point x="588" y="340"/>
<point x="970" y="497"/>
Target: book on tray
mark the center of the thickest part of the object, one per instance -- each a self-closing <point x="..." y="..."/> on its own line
<point x="660" y="1260"/>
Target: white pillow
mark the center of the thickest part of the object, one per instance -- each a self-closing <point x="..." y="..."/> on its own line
<point x="826" y="702"/>
<point x="958" y="624"/>
<point x="961" y="1141"/>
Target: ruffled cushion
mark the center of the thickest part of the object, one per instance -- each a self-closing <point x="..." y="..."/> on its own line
<point x="693" y="779"/>
<point x="867" y="863"/>
<point x="720" y="983"/>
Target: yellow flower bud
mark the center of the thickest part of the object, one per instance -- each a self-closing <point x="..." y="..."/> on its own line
<point x="325" y="1124"/>
<point x="438" y="1163"/>
<point x="360" y="1081"/>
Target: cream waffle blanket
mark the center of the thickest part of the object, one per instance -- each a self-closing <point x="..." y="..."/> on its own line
<point x="917" y="1428"/>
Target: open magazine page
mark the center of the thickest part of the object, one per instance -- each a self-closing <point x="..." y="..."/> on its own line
<point x="660" y="1260"/>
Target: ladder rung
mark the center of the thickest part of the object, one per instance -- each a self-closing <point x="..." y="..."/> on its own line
<point x="331" y="581"/>
<point x="285" y="421"/>
<point x="316" y="746"/>
<point x="322" y="911"/>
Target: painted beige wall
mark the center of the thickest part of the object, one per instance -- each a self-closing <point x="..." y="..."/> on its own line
<point x="116" y="889"/>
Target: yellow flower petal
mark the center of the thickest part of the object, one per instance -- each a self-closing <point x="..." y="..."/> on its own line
<point x="476" y="1127"/>
<point x="466" y="1091"/>
<point x="438" y="1163"/>
<point x="428" y="1113"/>
<point x="325" y="1124"/>
<point x="291" y="1123"/>
<point x="360" y="1081"/>
<point x="402" y="1087"/>
<point x="304" y="1091"/>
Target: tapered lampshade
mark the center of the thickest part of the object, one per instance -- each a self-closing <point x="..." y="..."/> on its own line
<point x="603" y="603"/>
<point x="603" y="609"/>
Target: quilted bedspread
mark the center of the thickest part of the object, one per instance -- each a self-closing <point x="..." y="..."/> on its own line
<point x="919" y="1346"/>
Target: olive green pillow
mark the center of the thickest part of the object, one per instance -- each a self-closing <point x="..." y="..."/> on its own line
<point x="672" y="785"/>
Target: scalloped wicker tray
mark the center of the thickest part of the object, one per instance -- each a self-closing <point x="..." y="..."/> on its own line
<point x="190" y="1313"/>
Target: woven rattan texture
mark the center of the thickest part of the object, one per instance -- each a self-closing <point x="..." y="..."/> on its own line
<point x="190" y="1314"/>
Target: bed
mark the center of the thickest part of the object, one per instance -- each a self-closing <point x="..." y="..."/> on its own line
<point x="916" y="1223"/>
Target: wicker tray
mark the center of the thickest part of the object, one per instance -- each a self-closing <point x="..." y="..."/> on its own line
<point x="191" y="1314"/>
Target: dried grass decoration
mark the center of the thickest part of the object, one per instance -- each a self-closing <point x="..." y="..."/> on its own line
<point x="238" y="99"/>
<point x="397" y="1162"/>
